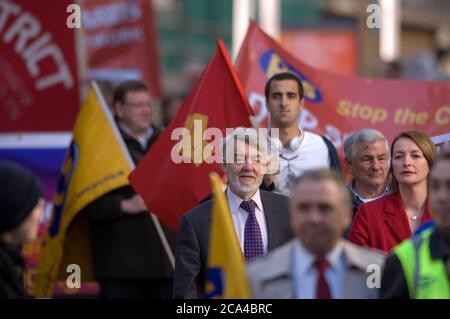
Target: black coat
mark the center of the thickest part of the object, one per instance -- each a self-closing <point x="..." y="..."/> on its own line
<point x="11" y="272"/>
<point x="123" y="245"/>
<point x="193" y="240"/>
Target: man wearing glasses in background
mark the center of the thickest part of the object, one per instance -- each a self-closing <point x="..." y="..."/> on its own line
<point x="129" y="260"/>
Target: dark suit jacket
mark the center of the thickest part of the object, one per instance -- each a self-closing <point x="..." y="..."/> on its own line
<point x="383" y="223"/>
<point x="193" y="239"/>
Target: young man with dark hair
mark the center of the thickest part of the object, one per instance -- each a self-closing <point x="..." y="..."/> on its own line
<point x="299" y="150"/>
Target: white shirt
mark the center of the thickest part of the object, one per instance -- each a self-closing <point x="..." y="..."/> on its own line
<point x="312" y="154"/>
<point x="240" y="217"/>
<point x="142" y="140"/>
<point x="305" y="274"/>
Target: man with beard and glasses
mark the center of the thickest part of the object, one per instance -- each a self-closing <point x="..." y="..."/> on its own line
<point x="260" y="218"/>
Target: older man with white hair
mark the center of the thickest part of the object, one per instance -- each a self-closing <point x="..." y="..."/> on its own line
<point x="367" y="156"/>
<point x="260" y="218"/>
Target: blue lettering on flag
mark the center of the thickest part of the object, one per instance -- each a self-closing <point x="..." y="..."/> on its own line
<point x="216" y="279"/>
<point x="70" y="163"/>
<point x="271" y="63"/>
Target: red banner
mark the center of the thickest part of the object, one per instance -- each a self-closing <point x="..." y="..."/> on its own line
<point x="173" y="180"/>
<point x="336" y="105"/>
<point x="121" y="41"/>
<point x="326" y="49"/>
<point x="38" y="69"/>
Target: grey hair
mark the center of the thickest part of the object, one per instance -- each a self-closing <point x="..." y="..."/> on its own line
<point x="365" y="136"/>
<point x="250" y="136"/>
<point x="323" y="174"/>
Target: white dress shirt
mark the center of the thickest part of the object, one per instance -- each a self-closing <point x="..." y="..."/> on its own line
<point x="305" y="273"/>
<point x="240" y="217"/>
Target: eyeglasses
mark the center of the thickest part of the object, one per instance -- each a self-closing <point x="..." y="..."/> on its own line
<point x="141" y="105"/>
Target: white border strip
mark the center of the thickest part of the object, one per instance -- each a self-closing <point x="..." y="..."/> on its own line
<point x="35" y="140"/>
<point x="441" y="138"/>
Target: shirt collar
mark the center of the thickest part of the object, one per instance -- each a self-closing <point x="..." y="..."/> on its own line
<point x="143" y="140"/>
<point x="305" y="259"/>
<point x="362" y="199"/>
<point x="234" y="201"/>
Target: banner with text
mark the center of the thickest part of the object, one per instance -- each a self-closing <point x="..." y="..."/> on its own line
<point x="121" y="41"/>
<point x="38" y="68"/>
<point x="336" y="105"/>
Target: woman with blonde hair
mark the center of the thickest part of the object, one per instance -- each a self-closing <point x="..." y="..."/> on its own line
<point x="386" y="222"/>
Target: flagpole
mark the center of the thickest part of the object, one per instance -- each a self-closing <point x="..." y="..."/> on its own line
<point x="242" y="12"/>
<point x="155" y="220"/>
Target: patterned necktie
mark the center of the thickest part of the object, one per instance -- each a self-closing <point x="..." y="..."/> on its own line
<point x="322" y="288"/>
<point x="253" y="244"/>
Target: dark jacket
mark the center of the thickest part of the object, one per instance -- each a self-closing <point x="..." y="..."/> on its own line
<point x="123" y="245"/>
<point x="11" y="272"/>
<point x="193" y="241"/>
<point x="332" y="153"/>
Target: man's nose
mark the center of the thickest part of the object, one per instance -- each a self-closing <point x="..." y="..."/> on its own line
<point x="248" y="166"/>
<point x="376" y="166"/>
<point x="146" y="110"/>
<point x="314" y="215"/>
<point x="284" y="100"/>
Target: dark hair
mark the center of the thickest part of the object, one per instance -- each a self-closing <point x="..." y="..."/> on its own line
<point x="423" y="142"/>
<point x="20" y="192"/>
<point x="281" y="77"/>
<point x="128" y="86"/>
<point x="323" y="174"/>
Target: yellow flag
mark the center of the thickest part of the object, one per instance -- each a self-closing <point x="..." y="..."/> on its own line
<point x="226" y="277"/>
<point x="96" y="162"/>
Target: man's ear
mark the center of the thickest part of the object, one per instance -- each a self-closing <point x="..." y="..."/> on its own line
<point x="302" y="102"/>
<point x="349" y="163"/>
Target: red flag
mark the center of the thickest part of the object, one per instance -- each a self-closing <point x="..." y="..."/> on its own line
<point x="336" y="105"/>
<point x="216" y="101"/>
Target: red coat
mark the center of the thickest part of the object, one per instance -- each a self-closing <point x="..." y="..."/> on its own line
<point x="383" y="223"/>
